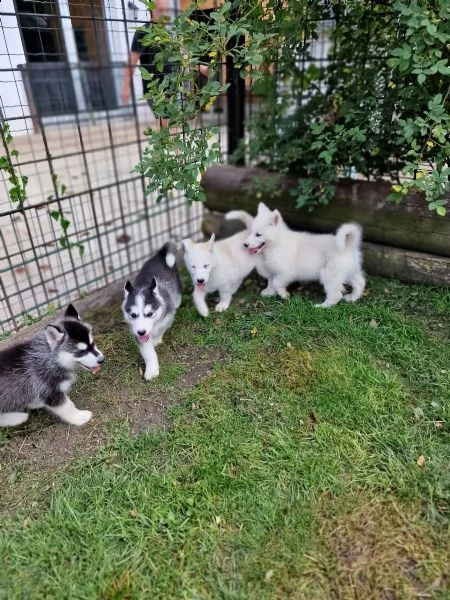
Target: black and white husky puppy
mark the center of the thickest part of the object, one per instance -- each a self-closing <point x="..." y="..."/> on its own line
<point x="149" y="306"/>
<point x="39" y="372"/>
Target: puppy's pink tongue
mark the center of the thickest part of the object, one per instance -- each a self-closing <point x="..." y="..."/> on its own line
<point x="143" y="339"/>
<point x="95" y="370"/>
<point x="201" y="285"/>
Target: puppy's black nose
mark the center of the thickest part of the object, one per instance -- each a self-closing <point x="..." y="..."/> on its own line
<point x="246" y="245"/>
<point x="200" y="281"/>
<point x="101" y="360"/>
<point x="142" y="332"/>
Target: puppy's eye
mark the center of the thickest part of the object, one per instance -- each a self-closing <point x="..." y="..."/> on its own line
<point x="205" y="266"/>
<point x="133" y="316"/>
<point x="149" y="314"/>
<point x="258" y="234"/>
<point x="193" y="266"/>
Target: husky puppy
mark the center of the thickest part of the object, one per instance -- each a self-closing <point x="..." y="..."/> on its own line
<point x="149" y="306"/>
<point x="38" y="373"/>
<point x="290" y="256"/>
<point x="221" y="265"/>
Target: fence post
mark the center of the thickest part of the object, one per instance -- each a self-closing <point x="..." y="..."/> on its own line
<point x="235" y="95"/>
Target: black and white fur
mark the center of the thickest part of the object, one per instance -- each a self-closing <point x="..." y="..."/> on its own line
<point x="288" y="256"/>
<point x="39" y="372"/>
<point x="149" y="306"/>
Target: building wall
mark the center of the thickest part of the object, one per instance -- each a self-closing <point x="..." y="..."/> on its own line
<point x="13" y="102"/>
<point x="108" y="45"/>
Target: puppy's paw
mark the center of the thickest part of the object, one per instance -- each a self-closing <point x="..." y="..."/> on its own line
<point x="351" y="297"/>
<point x="80" y="417"/>
<point x="203" y="311"/>
<point x="222" y="306"/>
<point x="283" y="294"/>
<point x="13" y="419"/>
<point x="267" y="292"/>
<point x="151" y="373"/>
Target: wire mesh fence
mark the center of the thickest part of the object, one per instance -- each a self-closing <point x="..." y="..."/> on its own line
<point x="86" y="221"/>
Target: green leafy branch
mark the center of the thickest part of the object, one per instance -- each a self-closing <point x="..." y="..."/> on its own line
<point x="176" y="157"/>
<point x="17" y="192"/>
<point x="378" y="107"/>
<point x="58" y="216"/>
<point x="424" y="57"/>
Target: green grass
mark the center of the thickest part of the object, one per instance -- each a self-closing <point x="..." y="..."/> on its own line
<point x="288" y="471"/>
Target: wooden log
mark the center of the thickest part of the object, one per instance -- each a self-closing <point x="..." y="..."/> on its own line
<point x="379" y="259"/>
<point x="407" y="225"/>
<point x="406" y="265"/>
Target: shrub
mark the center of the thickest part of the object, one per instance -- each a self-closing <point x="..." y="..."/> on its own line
<point x="377" y="105"/>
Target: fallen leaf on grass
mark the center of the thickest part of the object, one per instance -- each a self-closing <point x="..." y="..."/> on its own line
<point x="418" y="412"/>
<point x="438" y="424"/>
<point x="421" y="460"/>
<point x="253" y="331"/>
<point x="133" y="513"/>
<point x="373" y="323"/>
<point x="268" y="576"/>
<point x="313" y="417"/>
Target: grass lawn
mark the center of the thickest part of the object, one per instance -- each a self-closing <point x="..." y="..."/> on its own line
<point x="294" y="453"/>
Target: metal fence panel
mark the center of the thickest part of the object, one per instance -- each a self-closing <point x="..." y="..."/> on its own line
<point x="61" y="68"/>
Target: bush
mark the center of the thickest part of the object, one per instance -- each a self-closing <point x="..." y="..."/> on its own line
<point x="378" y="105"/>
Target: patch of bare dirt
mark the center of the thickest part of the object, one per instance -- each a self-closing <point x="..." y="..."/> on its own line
<point x="44" y="446"/>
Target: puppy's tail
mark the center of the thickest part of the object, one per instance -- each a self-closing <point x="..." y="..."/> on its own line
<point x="169" y="253"/>
<point x="349" y="236"/>
<point x="241" y="215"/>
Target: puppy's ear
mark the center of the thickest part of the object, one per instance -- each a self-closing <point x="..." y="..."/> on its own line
<point x="276" y="217"/>
<point x="54" y="335"/>
<point x="262" y="208"/>
<point x="71" y="311"/>
<point x="187" y="243"/>
<point x="128" y="288"/>
<point x="153" y="287"/>
<point x="211" y="242"/>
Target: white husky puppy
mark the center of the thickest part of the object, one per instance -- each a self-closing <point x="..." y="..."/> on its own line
<point x="290" y="256"/>
<point x="220" y="266"/>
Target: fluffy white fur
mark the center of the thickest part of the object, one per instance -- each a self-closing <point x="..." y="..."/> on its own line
<point x="218" y="266"/>
<point x="289" y="256"/>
